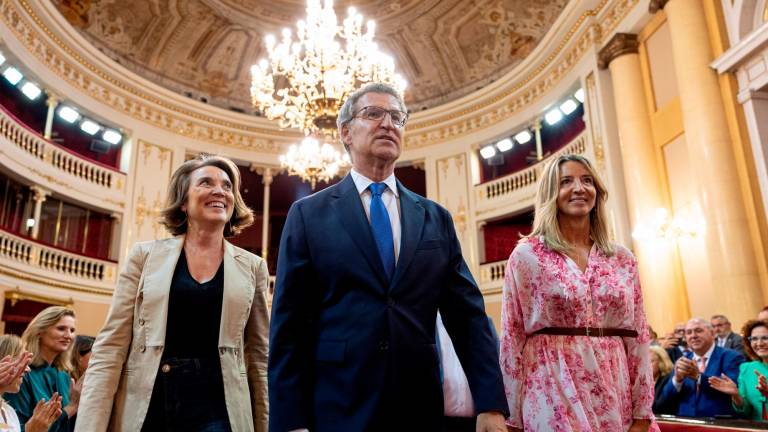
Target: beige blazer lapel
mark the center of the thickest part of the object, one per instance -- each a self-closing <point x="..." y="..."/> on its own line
<point x="238" y="295"/>
<point x="157" y="285"/>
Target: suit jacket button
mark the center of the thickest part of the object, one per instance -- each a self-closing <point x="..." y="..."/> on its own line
<point x="142" y="348"/>
<point x="166" y="368"/>
<point x="141" y="321"/>
<point x="383" y="345"/>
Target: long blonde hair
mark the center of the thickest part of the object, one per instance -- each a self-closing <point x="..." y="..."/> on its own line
<point x="47" y="318"/>
<point x="545" y="221"/>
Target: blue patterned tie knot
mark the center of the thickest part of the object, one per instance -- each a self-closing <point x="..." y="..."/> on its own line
<point x="381" y="228"/>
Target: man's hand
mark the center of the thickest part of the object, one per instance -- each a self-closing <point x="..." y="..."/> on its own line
<point x="670" y="341"/>
<point x="491" y="422"/>
<point x="685" y="367"/>
<point x="640" y="425"/>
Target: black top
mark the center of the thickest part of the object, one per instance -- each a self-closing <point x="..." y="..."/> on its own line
<point x="194" y="314"/>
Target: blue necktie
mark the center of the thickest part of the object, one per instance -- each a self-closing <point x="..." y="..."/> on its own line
<point x="382" y="229"/>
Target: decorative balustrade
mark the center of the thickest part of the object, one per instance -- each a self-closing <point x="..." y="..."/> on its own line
<point x="51" y="266"/>
<point x="55" y="167"/>
<point x="492" y="275"/>
<point x="514" y="191"/>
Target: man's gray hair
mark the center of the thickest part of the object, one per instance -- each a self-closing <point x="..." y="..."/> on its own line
<point x="723" y="317"/>
<point x="700" y="321"/>
<point x="348" y="109"/>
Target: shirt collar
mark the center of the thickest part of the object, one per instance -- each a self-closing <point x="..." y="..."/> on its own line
<point x="708" y="354"/>
<point x="362" y="182"/>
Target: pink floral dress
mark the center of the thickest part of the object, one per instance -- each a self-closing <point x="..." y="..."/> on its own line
<point x="574" y="383"/>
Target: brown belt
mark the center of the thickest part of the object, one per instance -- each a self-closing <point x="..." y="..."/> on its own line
<point x="586" y="331"/>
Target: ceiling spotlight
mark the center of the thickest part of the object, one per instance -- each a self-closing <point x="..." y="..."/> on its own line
<point x="504" y="145"/>
<point x="2" y="58"/>
<point x="68" y="114"/>
<point x="13" y="75"/>
<point x="89" y="127"/>
<point x="568" y="106"/>
<point x="553" y="116"/>
<point x="579" y="95"/>
<point x="487" y="152"/>
<point x="112" y="136"/>
<point x="30" y="90"/>
<point x="523" y="137"/>
<point x="30" y="223"/>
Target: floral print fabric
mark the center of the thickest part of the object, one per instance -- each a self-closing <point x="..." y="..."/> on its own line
<point x="574" y="383"/>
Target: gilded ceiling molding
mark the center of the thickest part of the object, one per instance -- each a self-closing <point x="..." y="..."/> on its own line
<point x="130" y="99"/>
<point x="175" y="119"/>
<point x="656" y="5"/>
<point x="619" y="45"/>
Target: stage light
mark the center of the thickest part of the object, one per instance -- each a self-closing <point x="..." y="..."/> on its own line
<point x="523" y="137"/>
<point x="487" y="152"/>
<point x="504" y="145"/>
<point x="553" y="116"/>
<point x="568" y="106"/>
<point x="112" y="136"/>
<point x="30" y="223"/>
<point x="13" y="75"/>
<point x="89" y="127"/>
<point x="579" y="95"/>
<point x="68" y="114"/>
<point x="30" y="90"/>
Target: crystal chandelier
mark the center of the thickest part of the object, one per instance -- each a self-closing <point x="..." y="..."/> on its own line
<point x="304" y="82"/>
<point x="313" y="162"/>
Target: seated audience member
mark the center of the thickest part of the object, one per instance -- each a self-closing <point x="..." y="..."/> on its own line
<point x="662" y="372"/>
<point x="45" y="412"/>
<point x="749" y="397"/>
<point x="763" y="315"/>
<point x="49" y="338"/>
<point x="690" y="386"/>
<point x="675" y="343"/>
<point x="725" y="337"/>
<point x="81" y="354"/>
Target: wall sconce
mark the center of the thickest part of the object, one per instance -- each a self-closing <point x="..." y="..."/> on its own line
<point x="672" y="229"/>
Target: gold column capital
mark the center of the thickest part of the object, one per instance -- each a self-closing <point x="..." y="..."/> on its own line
<point x="39" y="193"/>
<point x="53" y="99"/>
<point x="619" y="45"/>
<point x="656" y="5"/>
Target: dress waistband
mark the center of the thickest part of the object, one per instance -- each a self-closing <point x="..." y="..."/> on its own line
<point x="586" y="331"/>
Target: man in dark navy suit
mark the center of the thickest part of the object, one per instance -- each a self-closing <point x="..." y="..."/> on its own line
<point x="689" y="386"/>
<point x="363" y="267"/>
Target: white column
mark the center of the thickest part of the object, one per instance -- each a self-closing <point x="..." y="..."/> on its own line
<point x="52" y="102"/>
<point x="39" y="196"/>
<point x="266" y="179"/>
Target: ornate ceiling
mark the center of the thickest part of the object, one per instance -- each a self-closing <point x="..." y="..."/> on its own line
<point x="204" y="48"/>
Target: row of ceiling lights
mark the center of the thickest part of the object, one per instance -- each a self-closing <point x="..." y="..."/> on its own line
<point x="551" y="117"/>
<point x="32" y="91"/>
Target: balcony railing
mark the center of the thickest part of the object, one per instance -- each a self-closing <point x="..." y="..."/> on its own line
<point x="58" y="168"/>
<point x="47" y="265"/>
<point x="492" y="276"/>
<point x="517" y="190"/>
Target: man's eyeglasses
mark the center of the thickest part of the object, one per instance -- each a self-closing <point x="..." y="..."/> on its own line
<point x="753" y="339"/>
<point x="377" y="114"/>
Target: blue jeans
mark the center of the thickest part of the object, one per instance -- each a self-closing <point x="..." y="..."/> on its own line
<point x="188" y="396"/>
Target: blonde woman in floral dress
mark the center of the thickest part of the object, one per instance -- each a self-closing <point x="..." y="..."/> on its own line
<point x="574" y="343"/>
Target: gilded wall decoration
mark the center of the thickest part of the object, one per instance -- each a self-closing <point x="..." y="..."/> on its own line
<point x="153" y="174"/>
<point x="453" y="192"/>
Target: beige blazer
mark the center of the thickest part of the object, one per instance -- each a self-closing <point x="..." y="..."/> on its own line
<point x="127" y="351"/>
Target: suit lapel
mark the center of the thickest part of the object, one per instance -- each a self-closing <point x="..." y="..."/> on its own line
<point x="157" y="285"/>
<point x="349" y="208"/>
<point x="237" y="282"/>
<point x="713" y="362"/>
<point x="411" y="212"/>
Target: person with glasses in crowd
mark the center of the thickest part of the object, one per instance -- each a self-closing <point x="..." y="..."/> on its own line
<point x="725" y="337"/>
<point x="363" y="268"/>
<point x="750" y="395"/>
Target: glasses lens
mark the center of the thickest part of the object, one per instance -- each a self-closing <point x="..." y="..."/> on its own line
<point x="374" y="113"/>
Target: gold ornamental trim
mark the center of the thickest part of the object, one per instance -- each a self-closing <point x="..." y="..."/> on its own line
<point x="423" y="133"/>
<point x="49" y="282"/>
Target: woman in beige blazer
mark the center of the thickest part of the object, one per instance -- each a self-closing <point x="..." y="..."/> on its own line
<point x="185" y="343"/>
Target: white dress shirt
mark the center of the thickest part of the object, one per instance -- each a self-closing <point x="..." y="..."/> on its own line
<point x="390" y="198"/>
<point x="457" y="397"/>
